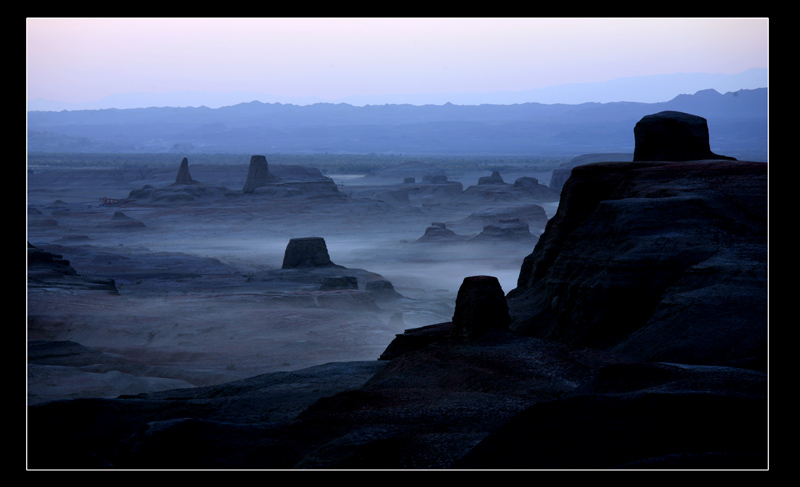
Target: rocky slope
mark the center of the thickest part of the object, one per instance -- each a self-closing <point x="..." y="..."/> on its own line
<point x="654" y="260"/>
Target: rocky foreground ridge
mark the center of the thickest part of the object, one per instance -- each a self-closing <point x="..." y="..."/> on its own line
<point x="636" y="338"/>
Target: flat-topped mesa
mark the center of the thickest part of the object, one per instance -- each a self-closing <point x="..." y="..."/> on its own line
<point x="183" y="174"/>
<point x="480" y="306"/>
<point x="673" y="136"/>
<point x="258" y="175"/>
<point x="306" y="252"/>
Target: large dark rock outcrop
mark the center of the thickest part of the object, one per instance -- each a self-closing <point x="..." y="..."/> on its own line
<point x="653" y="260"/>
<point x="561" y="174"/>
<point x="672" y="136"/>
<point x="480" y="306"/>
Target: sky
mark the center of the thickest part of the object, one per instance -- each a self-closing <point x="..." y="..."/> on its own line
<point x="77" y="60"/>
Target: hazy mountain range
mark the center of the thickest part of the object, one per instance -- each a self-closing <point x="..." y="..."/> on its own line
<point x="644" y="89"/>
<point x="737" y="120"/>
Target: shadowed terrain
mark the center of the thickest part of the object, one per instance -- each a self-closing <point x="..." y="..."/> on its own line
<point x="304" y="326"/>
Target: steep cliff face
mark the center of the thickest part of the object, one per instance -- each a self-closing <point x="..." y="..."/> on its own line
<point x="654" y="260"/>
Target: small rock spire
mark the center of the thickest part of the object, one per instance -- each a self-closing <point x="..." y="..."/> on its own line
<point x="183" y="173"/>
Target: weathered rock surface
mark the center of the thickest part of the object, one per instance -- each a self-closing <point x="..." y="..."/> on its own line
<point x="653" y="260"/>
<point x="561" y="174"/>
<point x="258" y="174"/>
<point x="49" y="270"/>
<point x="644" y="416"/>
<point x="673" y="136"/>
<point x="480" y="307"/>
<point x="184" y="177"/>
<point x="306" y="252"/>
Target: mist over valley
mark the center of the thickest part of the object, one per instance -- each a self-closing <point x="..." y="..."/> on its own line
<point x="268" y="286"/>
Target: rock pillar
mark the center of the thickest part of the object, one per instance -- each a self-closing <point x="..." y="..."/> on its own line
<point x="183" y="173"/>
<point x="480" y="306"/>
<point x="258" y="175"/>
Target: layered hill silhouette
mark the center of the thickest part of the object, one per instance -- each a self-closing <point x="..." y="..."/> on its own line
<point x="739" y="121"/>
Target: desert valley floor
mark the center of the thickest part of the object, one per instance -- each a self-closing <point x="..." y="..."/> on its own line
<point x="202" y="298"/>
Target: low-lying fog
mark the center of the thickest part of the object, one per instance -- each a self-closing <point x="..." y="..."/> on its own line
<point x="202" y="298"/>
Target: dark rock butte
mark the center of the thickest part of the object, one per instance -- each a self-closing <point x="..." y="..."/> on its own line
<point x="480" y="306"/>
<point x="258" y="174"/>
<point x="672" y="136"/>
<point x="306" y="252"/>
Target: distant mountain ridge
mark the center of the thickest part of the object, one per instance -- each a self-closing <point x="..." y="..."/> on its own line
<point x="737" y="124"/>
<point x="643" y="89"/>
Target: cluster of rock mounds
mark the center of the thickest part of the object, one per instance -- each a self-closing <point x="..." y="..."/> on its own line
<point x="635" y="339"/>
<point x="504" y="230"/>
<point x="498" y="224"/>
<point x="493" y="189"/>
<point x="423" y="184"/>
<point x="259" y="181"/>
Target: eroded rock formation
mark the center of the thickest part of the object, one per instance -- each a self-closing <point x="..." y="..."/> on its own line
<point x="439" y="233"/>
<point x="183" y="177"/>
<point x="655" y="261"/>
<point x="673" y="136"/>
<point x="480" y="306"/>
<point x="306" y="252"/>
<point x="258" y="174"/>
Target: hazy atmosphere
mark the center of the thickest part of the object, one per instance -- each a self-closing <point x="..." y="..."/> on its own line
<point x="283" y="243"/>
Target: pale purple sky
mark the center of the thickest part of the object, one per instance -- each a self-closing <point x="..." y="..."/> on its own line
<point x="84" y="59"/>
